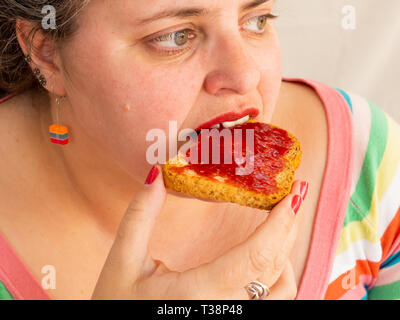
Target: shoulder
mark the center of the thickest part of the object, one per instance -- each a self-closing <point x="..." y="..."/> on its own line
<point x="372" y="222"/>
<point x="300" y="109"/>
<point x="300" y="92"/>
<point x="369" y="117"/>
<point x="376" y="134"/>
<point x="376" y="139"/>
<point x="374" y="202"/>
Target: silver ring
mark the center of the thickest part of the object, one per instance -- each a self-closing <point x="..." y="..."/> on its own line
<point x="257" y="290"/>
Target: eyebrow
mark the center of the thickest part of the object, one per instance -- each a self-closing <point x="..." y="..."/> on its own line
<point x="192" y="12"/>
<point x="252" y="4"/>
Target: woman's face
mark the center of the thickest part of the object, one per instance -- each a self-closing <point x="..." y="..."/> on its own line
<point x="135" y="65"/>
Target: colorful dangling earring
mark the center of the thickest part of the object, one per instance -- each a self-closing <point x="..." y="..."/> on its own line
<point x="58" y="133"/>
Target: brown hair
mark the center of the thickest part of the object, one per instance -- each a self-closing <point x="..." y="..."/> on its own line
<point x="15" y="73"/>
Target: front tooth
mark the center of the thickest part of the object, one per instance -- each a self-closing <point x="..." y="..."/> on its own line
<point x="243" y="120"/>
<point x="230" y="124"/>
<point x="215" y="126"/>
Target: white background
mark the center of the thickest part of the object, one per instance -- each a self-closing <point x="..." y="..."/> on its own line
<point x="365" y="60"/>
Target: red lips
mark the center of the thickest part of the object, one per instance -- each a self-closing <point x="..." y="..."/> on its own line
<point x="229" y="116"/>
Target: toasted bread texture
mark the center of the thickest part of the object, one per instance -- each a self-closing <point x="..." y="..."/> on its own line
<point x="218" y="188"/>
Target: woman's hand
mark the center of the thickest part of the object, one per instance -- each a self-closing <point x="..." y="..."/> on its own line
<point x="286" y="287"/>
<point x="130" y="273"/>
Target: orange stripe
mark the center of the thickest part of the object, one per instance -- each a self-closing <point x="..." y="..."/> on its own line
<point x="342" y="284"/>
<point x="392" y="232"/>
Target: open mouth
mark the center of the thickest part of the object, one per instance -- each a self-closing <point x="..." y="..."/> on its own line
<point x="228" y="124"/>
<point x="229" y="120"/>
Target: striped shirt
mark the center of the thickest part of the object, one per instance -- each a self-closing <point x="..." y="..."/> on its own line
<point x="367" y="258"/>
<point x="355" y="247"/>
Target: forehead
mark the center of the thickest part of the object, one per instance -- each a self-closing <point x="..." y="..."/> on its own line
<point x="143" y="8"/>
<point x="140" y="17"/>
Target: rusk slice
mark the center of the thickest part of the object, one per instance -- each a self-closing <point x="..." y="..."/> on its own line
<point x="277" y="154"/>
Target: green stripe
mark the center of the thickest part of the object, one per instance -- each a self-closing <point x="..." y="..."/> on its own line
<point x="364" y="191"/>
<point x="351" y="213"/>
<point x="386" y="292"/>
<point x="4" y="293"/>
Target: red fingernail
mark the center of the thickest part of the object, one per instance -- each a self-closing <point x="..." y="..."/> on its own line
<point x="296" y="201"/>
<point x="304" y="189"/>
<point x="152" y="175"/>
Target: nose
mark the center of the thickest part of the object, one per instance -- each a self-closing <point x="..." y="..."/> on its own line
<point x="232" y="69"/>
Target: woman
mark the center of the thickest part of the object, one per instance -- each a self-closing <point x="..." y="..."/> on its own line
<point x="113" y="70"/>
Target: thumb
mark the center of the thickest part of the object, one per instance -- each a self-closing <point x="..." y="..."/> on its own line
<point x="129" y="250"/>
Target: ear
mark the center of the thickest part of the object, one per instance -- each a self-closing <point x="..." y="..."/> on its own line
<point x="43" y="53"/>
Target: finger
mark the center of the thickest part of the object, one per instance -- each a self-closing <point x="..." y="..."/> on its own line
<point x="267" y="277"/>
<point x="286" y="286"/>
<point x="262" y="252"/>
<point x="128" y="255"/>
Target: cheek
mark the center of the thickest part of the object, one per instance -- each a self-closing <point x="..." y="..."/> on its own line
<point x="270" y="66"/>
<point x="155" y="95"/>
<point x="168" y="94"/>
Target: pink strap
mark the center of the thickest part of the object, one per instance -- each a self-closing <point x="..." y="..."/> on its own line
<point x="334" y="195"/>
<point x="17" y="278"/>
